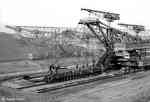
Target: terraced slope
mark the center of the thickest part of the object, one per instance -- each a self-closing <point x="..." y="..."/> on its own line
<point x="10" y="48"/>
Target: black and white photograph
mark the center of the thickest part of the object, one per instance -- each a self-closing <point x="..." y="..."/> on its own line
<point x="74" y="51"/>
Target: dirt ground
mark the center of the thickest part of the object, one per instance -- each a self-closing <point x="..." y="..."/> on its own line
<point x="135" y="88"/>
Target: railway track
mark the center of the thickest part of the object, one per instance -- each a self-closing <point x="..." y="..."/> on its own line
<point x="42" y="87"/>
<point x="104" y="78"/>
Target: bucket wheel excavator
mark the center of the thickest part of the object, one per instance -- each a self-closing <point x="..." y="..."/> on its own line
<point x="109" y="37"/>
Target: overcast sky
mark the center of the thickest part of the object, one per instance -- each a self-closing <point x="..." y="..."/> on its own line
<point x="67" y="12"/>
